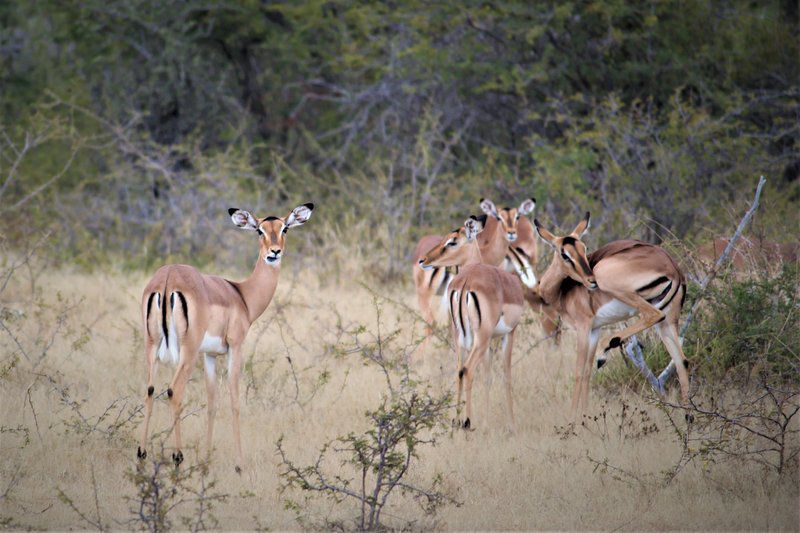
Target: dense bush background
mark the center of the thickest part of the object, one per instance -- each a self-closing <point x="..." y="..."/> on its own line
<point x="145" y="120"/>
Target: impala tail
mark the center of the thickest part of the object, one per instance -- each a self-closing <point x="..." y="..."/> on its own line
<point x="465" y="312"/>
<point x="163" y="322"/>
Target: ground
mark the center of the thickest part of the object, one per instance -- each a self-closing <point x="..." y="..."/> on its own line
<point x="608" y="472"/>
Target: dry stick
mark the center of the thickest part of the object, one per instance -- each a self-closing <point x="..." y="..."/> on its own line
<point x="670" y="369"/>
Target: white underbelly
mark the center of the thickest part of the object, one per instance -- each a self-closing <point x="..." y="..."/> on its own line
<point x="501" y="328"/>
<point x="212" y="345"/>
<point x="611" y="313"/>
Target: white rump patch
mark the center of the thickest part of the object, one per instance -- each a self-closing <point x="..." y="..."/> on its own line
<point x="611" y="313"/>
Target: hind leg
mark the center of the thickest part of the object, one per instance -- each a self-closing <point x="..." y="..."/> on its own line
<point x="668" y="331"/>
<point x="508" y="347"/>
<point x="422" y="281"/>
<point x="467" y="374"/>
<point x="488" y="379"/>
<point x="152" y="367"/>
<point x="175" y="393"/>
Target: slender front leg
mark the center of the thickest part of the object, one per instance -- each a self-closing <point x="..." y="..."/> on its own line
<point x="487" y="367"/>
<point x="211" y="393"/>
<point x="152" y="367"/>
<point x="580" y="364"/>
<point x="235" y="369"/>
<point x="593" y="337"/>
<point x="508" y="345"/>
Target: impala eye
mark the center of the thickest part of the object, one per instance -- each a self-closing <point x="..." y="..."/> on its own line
<point x="451" y="243"/>
<point x="566" y="257"/>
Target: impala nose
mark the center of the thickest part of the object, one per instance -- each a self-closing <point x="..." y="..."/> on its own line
<point x="511" y="236"/>
<point x="592" y="285"/>
<point x="422" y="264"/>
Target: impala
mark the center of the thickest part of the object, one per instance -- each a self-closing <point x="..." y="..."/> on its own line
<point x="430" y="282"/>
<point x="621" y="280"/>
<point x="522" y="255"/>
<point x="186" y="313"/>
<point x="485" y="302"/>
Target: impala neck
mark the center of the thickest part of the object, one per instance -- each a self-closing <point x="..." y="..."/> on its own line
<point x="259" y="288"/>
<point x="474" y="256"/>
<point x="493" y="242"/>
<point x="550" y="283"/>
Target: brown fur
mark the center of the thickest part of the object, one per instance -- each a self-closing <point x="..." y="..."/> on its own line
<point x="216" y="307"/>
<point x="619" y="270"/>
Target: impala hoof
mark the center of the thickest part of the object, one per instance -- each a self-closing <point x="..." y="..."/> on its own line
<point x="140" y="453"/>
<point x="177" y="457"/>
<point x="600" y="363"/>
<point x="689" y="418"/>
<point x="466" y="424"/>
<point x="238" y="469"/>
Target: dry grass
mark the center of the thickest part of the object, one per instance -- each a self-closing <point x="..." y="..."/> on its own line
<point x="540" y="478"/>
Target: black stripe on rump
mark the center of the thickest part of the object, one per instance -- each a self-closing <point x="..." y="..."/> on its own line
<point x="654" y="283"/>
<point x="185" y="308"/>
<point x="149" y="308"/>
<point x="477" y="307"/>
<point x="452" y="308"/>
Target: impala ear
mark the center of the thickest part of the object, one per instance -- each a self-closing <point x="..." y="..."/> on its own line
<point x="299" y="215"/>
<point x="243" y="219"/>
<point x="488" y="207"/>
<point x="582" y="227"/>
<point x="527" y="207"/>
<point x="474" y="225"/>
<point x="545" y="235"/>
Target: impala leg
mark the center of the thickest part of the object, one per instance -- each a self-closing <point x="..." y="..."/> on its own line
<point x="234" y="373"/>
<point x="210" y="363"/>
<point x="669" y="336"/>
<point x="580" y="366"/>
<point x="152" y="367"/>
<point x="593" y="337"/>
<point x="468" y="372"/>
<point x="423" y="280"/>
<point x="508" y="347"/>
<point x="175" y="393"/>
<point x="648" y="317"/>
<point x="487" y="368"/>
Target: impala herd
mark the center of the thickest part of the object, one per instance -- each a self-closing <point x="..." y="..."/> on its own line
<point x="483" y="273"/>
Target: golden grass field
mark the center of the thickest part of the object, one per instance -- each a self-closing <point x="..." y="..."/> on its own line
<point x="540" y="478"/>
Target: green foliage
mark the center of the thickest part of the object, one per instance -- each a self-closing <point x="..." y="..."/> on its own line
<point x="748" y="325"/>
<point x="394" y="118"/>
<point x="744" y="327"/>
